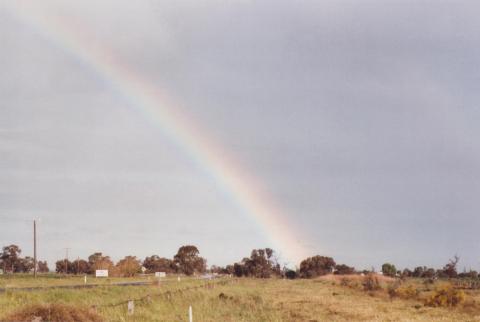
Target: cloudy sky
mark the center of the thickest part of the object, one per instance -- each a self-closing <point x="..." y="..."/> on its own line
<point x="360" y="119"/>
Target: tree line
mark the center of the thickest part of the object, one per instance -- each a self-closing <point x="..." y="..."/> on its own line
<point x="187" y="261"/>
<point x="262" y="263"/>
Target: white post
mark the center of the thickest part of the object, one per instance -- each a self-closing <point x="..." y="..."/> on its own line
<point x="85" y="280"/>
<point x="190" y="315"/>
<point x="131" y="307"/>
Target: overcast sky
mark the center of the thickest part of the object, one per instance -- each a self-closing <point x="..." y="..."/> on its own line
<point x="359" y="117"/>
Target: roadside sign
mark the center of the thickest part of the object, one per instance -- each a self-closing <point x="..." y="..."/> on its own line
<point x="160" y="274"/>
<point x="101" y="273"/>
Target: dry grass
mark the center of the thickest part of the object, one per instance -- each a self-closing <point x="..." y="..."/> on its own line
<point x="253" y="300"/>
<point x="53" y="313"/>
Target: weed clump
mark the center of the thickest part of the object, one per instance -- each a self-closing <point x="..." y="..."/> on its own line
<point x="348" y="282"/>
<point x="222" y="296"/>
<point x="53" y="313"/>
<point x="371" y="283"/>
<point x="404" y="292"/>
<point x="445" y="297"/>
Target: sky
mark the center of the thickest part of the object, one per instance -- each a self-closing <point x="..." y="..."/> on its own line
<point x="358" y="119"/>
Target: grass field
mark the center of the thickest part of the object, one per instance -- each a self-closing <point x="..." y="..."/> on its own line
<point x="242" y="299"/>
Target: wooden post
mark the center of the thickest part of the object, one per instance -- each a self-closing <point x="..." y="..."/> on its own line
<point x="34" y="248"/>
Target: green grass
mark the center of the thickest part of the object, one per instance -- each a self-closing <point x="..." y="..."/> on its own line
<point x="242" y="300"/>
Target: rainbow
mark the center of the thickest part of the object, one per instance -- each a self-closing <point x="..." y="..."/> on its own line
<point x="159" y="109"/>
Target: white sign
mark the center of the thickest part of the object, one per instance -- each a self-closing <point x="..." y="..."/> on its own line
<point x="160" y="274"/>
<point x="101" y="273"/>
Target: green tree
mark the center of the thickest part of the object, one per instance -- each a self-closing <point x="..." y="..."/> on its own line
<point x="99" y="261"/>
<point x="10" y="257"/>
<point x="316" y="266"/>
<point x="42" y="267"/>
<point x="188" y="260"/>
<point x="389" y="269"/>
<point x="343" y="269"/>
<point x="129" y="266"/>
<point x="155" y="263"/>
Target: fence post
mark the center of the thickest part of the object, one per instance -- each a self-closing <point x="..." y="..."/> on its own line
<point x="190" y="315"/>
<point x="131" y="307"/>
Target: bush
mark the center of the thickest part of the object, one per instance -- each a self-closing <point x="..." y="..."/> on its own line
<point x="445" y="297"/>
<point x="343" y="269"/>
<point x="389" y="269"/>
<point x="53" y="313"/>
<point x="370" y="283"/>
<point x="291" y="274"/>
<point x="404" y="292"/>
<point x="348" y="282"/>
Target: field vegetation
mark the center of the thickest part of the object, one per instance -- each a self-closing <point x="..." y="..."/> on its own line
<point x="257" y="288"/>
<point x="327" y="298"/>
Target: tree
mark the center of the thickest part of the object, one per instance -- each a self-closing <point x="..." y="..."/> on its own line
<point x="239" y="270"/>
<point x="343" y="269"/>
<point x="229" y="269"/>
<point x="429" y="273"/>
<point x="389" y="270"/>
<point x="129" y="266"/>
<point x="450" y="269"/>
<point x="316" y="266"/>
<point x="10" y="258"/>
<point x="79" y="266"/>
<point x="98" y="261"/>
<point x="418" y="271"/>
<point x="24" y="265"/>
<point x="407" y="273"/>
<point x="155" y="263"/>
<point x="61" y="268"/>
<point x="42" y="267"/>
<point x="261" y="264"/>
<point x="188" y="260"/>
<point x="221" y="270"/>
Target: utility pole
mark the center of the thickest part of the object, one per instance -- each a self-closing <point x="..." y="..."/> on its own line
<point x="66" y="260"/>
<point x="34" y="248"/>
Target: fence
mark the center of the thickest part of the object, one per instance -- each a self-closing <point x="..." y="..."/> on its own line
<point x="130" y="303"/>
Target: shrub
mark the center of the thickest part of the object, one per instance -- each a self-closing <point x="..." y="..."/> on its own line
<point x="291" y="274"/>
<point x="371" y="283"/>
<point x="404" y="292"/>
<point x="445" y="297"/>
<point x="53" y="313"/>
<point x="348" y="282"/>
<point x="343" y="269"/>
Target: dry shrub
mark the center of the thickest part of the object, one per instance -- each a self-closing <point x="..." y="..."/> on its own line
<point x="345" y="281"/>
<point x="467" y="284"/>
<point x="445" y="297"/>
<point x="53" y="313"/>
<point x="402" y="291"/>
<point x="349" y="282"/>
<point x="371" y="283"/>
